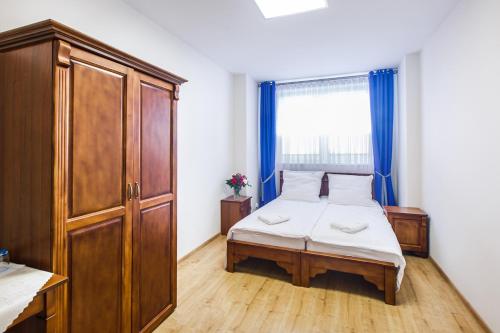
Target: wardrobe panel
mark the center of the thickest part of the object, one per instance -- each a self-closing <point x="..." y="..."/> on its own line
<point x="100" y="165"/>
<point x="97" y="140"/>
<point x="155" y="259"/>
<point x="155" y="140"/>
<point x="95" y="277"/>
<point x="25" y="154"/>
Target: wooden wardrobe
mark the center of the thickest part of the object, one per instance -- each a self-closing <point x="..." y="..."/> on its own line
<point x="88" y="176"/>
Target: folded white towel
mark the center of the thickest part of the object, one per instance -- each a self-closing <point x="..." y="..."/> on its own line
<point x="273" y="218"/>
<point x="350" y="227"/>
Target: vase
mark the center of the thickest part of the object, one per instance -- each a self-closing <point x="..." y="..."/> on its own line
<point x="236" y="193"/>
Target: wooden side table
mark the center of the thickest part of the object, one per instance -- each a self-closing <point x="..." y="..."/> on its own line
<point x="42" y="305"/>
<point x="411" y="226"/>
<point x="233" y="209"/>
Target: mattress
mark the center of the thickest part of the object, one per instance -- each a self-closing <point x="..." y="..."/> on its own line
<point x="290" y="234"/>
<point x="377" y="242"/>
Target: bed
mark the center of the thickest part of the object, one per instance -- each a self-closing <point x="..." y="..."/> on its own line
<point x="281" y="243"/>
<point x="373" y="253"/>
<point x="310" y="247"/>
<point x="292" y="234"/>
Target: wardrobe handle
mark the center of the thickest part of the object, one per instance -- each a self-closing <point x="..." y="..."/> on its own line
<point x="129" y="191"/>
<point x="137" y="190"/>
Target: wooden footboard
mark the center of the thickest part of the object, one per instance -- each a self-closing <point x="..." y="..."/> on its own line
<point x="381" y="274"/>
<point x="289" y="259"/>
<point x="304" y="265"/>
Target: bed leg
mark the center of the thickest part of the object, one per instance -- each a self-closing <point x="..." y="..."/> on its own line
<point x="230" y="257"/>
<point x="390" y="285"/>
<point x="296" y="272"/>
<point x="304" y="271"/>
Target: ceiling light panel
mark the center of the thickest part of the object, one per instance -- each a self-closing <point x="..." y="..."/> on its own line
<point x="275" y="8"/>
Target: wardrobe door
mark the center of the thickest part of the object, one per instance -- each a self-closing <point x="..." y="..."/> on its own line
<point x="154" y="250"/>
<point x="99" y="209"/>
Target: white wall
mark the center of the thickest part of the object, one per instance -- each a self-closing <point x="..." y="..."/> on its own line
<point x="408" y="163"/>
<point x="253" y="166"/>
<point x="461" y="151"/>
<point x="205" y="108"/>
<point x="246" y="131"/>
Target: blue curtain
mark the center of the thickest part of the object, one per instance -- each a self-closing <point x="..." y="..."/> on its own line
<point x="382" y="116"/>
<point x="267" y="141"/>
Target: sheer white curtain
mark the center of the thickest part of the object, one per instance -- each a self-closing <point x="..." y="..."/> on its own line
<point x="324" y="125"/>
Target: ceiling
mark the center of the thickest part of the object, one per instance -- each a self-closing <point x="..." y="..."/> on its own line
<point x="349" y="36"/>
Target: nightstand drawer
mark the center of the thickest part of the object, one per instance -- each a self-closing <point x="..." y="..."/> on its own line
<point x="407" y="231"/>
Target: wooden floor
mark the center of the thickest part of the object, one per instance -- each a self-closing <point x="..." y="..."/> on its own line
<point x="259" y="298"/>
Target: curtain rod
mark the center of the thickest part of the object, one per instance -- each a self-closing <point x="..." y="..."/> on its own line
<point x="328" y="78"/>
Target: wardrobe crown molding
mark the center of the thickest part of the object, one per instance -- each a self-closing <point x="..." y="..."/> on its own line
<point x="53" y="30"/>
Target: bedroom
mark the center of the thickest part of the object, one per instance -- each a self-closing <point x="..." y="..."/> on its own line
<point x="398" y="93"/>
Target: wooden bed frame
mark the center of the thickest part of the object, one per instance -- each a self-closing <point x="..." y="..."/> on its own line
<point x="304" y="265"/>
<point x="289" y="259"/>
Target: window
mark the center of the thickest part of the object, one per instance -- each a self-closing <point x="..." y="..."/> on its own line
<point x="325" y="125"/>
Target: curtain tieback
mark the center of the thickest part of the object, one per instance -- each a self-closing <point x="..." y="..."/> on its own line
<point x="381" y="175"/>
<point x="268" y="178"/>
<point x="263" y="182"/>
<point x="384" y="198"/>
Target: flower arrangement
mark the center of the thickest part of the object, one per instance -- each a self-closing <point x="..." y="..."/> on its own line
<point x="237" y="182"/>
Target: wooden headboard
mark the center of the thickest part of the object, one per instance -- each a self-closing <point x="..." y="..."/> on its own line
<point x="324" y="181"/>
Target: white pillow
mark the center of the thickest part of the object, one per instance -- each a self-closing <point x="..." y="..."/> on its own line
<point x="350" y="190"/>
<point x="301" y="185"/>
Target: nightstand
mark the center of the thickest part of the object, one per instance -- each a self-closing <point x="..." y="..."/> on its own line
<point x="411" y="228"/>
<point x="233" y="209"/>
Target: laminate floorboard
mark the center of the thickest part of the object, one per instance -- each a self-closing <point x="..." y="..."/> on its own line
<point x="259" y="297"/>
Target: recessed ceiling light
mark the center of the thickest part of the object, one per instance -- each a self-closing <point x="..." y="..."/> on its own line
<point x="274" y="8"/>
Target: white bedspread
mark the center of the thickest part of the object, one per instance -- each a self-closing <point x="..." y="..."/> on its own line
<point x="303" y="216"/>
<point x="377" y="242"/>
